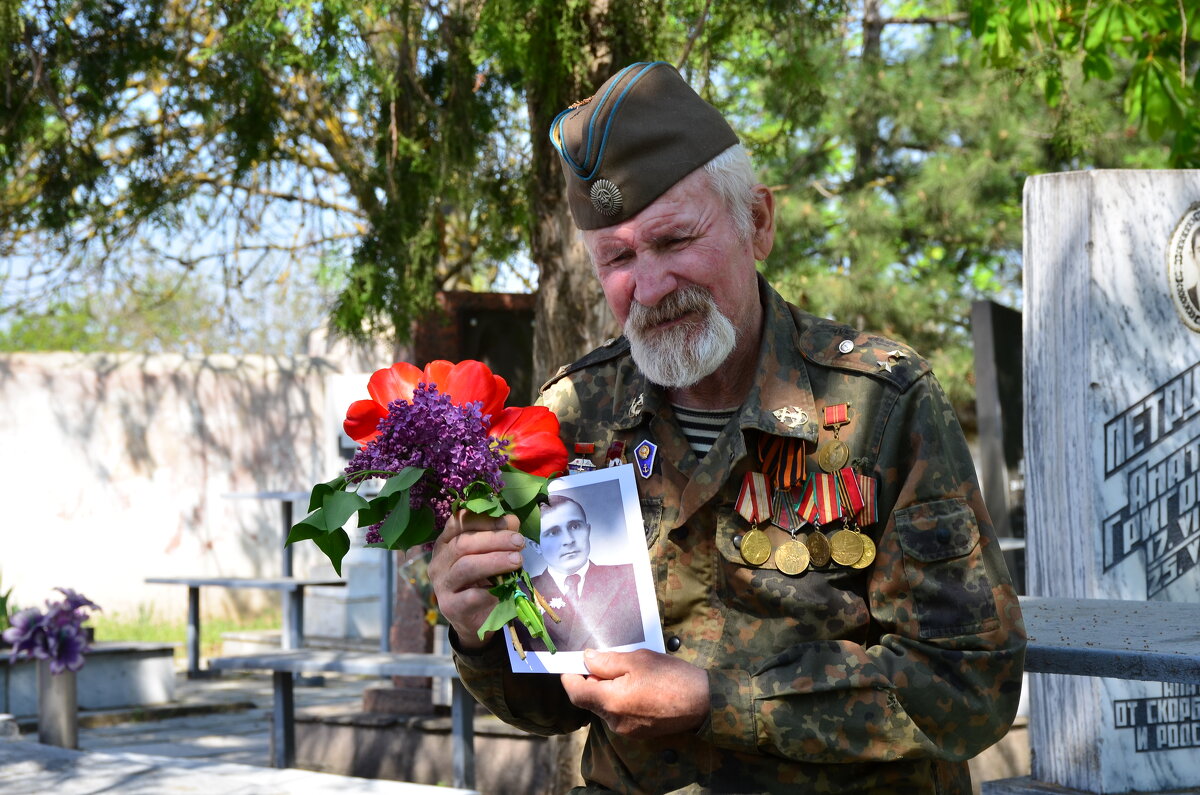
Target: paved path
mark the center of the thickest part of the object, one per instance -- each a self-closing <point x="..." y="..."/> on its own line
<point x="30" y="768"/>
<point x="213" y="753"/>
<point x="241" y="736"/>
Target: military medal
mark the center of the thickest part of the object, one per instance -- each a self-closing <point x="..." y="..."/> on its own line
<point x="868" y="554"/>
<point x="818" y="548"/>
<point x="792" y="557"/>
<point x="834" y="454"/>
<point x="644" y="454"/>
<point x="582" y="464"/>
<point x="754" y="505"/>
<point x="846" y="547"/>
<point x="616" y="454"/>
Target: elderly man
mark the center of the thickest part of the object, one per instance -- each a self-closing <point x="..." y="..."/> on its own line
<point x="837" y="614"/>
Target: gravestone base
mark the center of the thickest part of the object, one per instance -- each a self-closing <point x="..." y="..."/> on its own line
<point x="1027" y="786"/>
<point x="398" y="700"/>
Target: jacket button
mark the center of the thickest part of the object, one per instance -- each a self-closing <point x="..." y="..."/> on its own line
<point x="737" y="541"/>
<point x="673" y="643"/>
<point x="846" y="346"/>
<point x="943" y="535"/>
<point x="670" y="756"/>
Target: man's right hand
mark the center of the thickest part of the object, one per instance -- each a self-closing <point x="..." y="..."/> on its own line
<point x="468" y="552"/>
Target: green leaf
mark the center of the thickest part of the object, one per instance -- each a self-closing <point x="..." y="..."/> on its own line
<point x="335" y="545"/>
<point x="488" y="506"/>
<point x="339" y="506"/>
<point x="401" y="481"/>
<point x="521" y="488"/>
<point x="530" y="517"/>
<point x="307" y="528"/>
<point x="420" y="529"/>
<point x="396" y="522"/>
<point x="501" y="614"/>
<point x="1097" y="65"/>
<point x="321" y="490"/>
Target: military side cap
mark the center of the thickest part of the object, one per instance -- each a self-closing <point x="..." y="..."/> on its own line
<point x="642" y="132"/>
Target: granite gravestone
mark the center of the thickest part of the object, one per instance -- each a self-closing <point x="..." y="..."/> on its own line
<point x="1112" y="438"/>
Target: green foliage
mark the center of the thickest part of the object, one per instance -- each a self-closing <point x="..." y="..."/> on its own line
<point x="406" y="143"/>
<point x="7" y="608"/>
<point x="1149" y="48"/>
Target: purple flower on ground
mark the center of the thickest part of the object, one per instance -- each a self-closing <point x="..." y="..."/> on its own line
<point x="451" y="442"/>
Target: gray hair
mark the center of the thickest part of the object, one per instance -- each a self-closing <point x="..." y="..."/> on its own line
<point x="731" y="176"/>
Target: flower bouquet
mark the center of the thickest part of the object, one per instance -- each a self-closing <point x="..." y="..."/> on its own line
<point x="441" y="439"/>
<point x="56" y="635"/>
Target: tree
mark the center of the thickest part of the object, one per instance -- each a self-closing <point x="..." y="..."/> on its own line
<point x="404" y="143"/>
<point x="1149" y="49"/>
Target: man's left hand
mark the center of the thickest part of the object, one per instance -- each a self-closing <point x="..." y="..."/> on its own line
<point x="641" y="693"/>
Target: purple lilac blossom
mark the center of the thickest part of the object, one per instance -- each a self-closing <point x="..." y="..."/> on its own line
<point x="449" y="441"/>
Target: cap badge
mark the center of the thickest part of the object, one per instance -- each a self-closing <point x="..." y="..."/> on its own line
<point x="606" y="197"/>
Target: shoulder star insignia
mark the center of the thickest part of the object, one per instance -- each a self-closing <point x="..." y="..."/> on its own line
<point x="791" y="416"/>
<point x="885" y="365"/>
<point x="897" y="355"/>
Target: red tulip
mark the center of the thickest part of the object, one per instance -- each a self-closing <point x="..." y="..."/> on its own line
<point x="534" y="445"/>
<point x="465" y="382"/>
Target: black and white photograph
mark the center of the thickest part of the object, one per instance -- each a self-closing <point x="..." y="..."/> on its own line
<point x="592" y="569"/>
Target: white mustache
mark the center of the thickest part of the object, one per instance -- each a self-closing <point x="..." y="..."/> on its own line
<point x="676" y="305"/>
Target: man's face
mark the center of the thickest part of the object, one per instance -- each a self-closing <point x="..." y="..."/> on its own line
<point x="566" y="538"/>
<point x="658" y="268"/>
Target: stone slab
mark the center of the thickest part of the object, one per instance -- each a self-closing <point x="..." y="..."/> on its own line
<point x="115" y="675"/>
<point x="1126" y="639"/>
<point x="30" y="768"/>
<point x="1112" y="458"/>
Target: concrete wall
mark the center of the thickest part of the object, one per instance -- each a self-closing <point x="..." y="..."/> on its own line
<point x="116" y="467"/>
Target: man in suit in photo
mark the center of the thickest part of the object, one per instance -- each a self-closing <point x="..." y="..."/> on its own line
<point x="597" y="604"/>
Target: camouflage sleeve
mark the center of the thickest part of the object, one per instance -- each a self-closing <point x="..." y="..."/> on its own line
<point x="536" y="703"/>
<point x="942" y="675"/>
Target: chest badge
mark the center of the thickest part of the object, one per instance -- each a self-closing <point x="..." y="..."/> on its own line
<point x="644" y="455"/>
<point x="792" y="416"/>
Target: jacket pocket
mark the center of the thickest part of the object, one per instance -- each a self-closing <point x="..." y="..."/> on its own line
<point x="943" y="563"/>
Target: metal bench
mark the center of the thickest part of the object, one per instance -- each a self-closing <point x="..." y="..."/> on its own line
<point x="285" y="665"/>
<point x="292" y="589"/>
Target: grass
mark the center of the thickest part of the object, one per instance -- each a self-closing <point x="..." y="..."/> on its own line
<point x="146" y="625"/>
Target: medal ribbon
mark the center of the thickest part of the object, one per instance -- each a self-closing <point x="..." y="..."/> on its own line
<point x="829" y="507"/>
<point x="837" y="415"/>
<point x="754" y="500"/>
<point x="806" y="506"/>
<point x="848" y="490"/>
<point x="782" y="459"/>
<point x="783" y="515"/>
<point x="870" y="510"/>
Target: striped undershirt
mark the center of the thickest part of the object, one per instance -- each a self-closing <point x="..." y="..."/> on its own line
<point x="701" y="427"/>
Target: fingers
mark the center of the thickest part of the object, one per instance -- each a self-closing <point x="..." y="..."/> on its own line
<point x="469" y="551"/>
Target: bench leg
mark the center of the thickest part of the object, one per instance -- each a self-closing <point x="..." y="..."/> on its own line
<point x="283" y="723"/>
<point x="193" y="632"/>
<point x="462" y="729"/>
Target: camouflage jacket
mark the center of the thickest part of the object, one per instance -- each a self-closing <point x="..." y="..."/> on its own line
<point x="840" y="680"/>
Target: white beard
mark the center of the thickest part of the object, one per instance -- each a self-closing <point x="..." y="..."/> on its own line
<point x="682" y="355"/>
